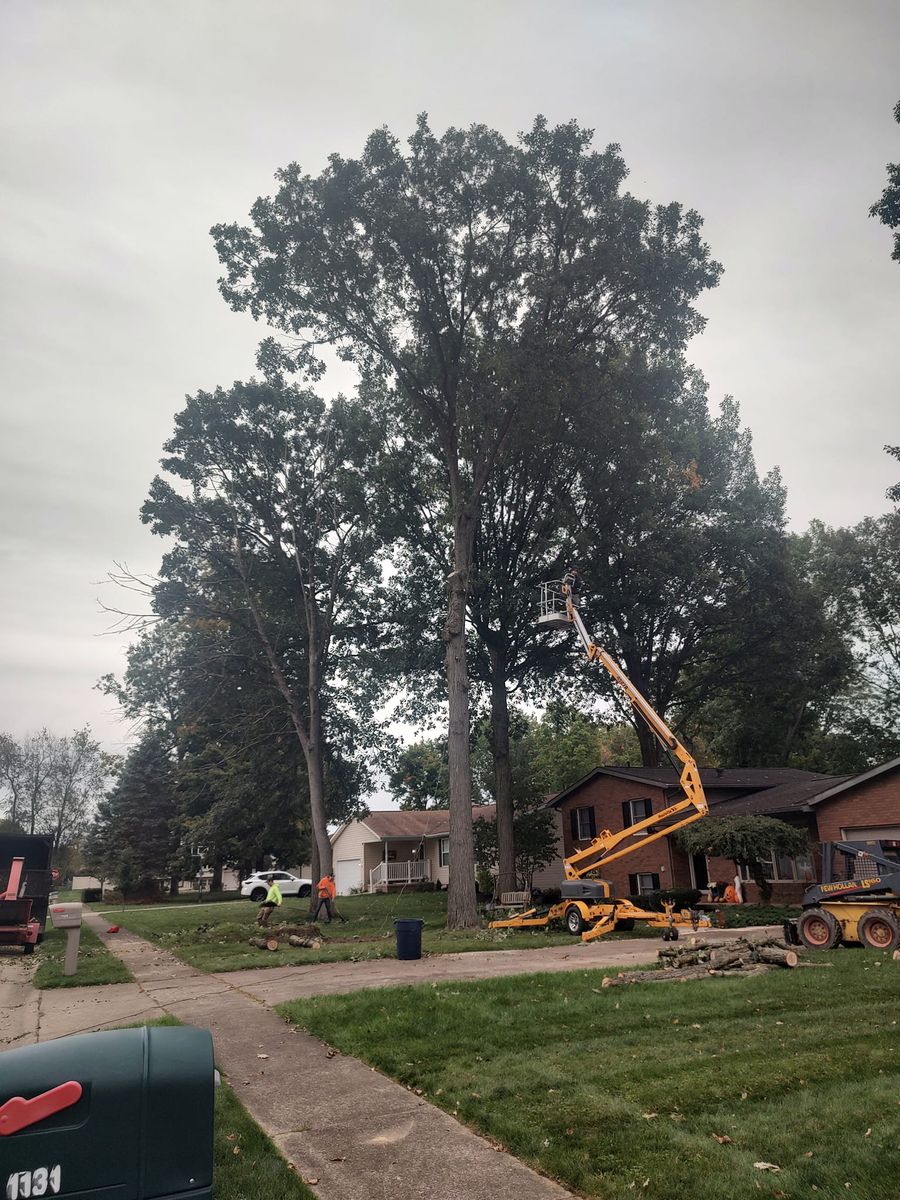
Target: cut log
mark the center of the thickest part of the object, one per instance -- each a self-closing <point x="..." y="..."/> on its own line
<point x="774" y="954"/>
<point x="264" y="943"/>
<point x="308" y="943"/>
<point x="743" y="973"/>
<point x="724" y="960"/>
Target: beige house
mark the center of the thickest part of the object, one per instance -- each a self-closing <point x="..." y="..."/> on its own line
<point x="390" y="849"/>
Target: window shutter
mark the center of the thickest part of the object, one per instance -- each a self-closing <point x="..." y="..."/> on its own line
<point x="633" y="885"/>
<point x="573" y="817"/>
<point x="593" y="823"/>
<point x="626" y="814"/>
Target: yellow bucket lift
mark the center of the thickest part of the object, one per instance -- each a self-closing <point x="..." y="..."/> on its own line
<point x="588" y="905"/>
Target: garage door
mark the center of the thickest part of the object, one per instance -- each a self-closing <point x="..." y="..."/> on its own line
<point x="347" y="875"/>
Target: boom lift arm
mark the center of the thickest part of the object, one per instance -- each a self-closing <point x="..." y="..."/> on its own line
<point x="590" y="908"/>
<point x="611" y="846"/>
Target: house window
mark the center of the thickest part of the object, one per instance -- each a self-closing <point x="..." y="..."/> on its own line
<point x="584" y="824"/>
<point x="642" y="885"/>
<point x="636" y="810"/>
<point x="778" y="868"/>
<point x="444" y="852"/>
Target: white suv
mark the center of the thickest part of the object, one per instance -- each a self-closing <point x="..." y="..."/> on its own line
<point x="256" y="885"/>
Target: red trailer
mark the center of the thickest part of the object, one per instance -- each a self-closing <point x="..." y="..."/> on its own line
<point x="24" y="889"/>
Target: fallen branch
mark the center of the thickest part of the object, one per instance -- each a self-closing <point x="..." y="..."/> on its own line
<point x="680" y="975"/>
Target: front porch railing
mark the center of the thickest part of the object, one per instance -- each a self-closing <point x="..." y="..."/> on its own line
<point x="415" y="871"/>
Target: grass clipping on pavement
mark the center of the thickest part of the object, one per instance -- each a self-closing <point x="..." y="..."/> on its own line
<point x="95" y="964"/>
<point x="781" y="1086"/>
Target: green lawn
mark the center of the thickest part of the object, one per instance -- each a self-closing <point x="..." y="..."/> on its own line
<point x="627" y="1091"/>
<point x="96" y="964"/>
<point x="215" y="939"/>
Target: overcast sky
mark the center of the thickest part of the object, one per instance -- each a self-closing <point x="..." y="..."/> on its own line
<point x="129" y="127"/>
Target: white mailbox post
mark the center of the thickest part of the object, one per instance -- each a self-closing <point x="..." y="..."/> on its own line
<point x="68" y="917"/>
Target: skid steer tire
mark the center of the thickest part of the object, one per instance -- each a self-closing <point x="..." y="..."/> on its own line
<point x="879" y="929"/>
<point x="575" y="922"/>
<point x="818" y="929"/>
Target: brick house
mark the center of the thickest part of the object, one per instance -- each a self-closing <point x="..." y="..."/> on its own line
<point x="827" y="807"/>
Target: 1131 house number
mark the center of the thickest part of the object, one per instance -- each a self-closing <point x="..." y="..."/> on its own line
<point x="42" y="1181"/>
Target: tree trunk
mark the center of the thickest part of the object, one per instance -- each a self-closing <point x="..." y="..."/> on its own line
<point x="316" y="876"/>
<point x="763" y="885"/>
<point x="215" y="884"/>
<point x="462" y="909"/>
<point x="173" y="885"/>
<point x="506" y="850"/>
<point x="650" y="747"/>
<point x="309" y="734"/>
<point x="316" y="771"/>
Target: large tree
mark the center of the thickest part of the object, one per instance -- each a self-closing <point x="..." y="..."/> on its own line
<point x="856" y="571"/>
<point x="470" y="274"/>
<point x="279" y="529"/>
<point x="50" y="783"/>
<point x="135" y="834"/>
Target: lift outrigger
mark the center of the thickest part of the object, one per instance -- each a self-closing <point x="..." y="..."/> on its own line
<point x="587" y="905"/>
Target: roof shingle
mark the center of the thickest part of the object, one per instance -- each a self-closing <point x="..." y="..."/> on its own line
<point x="433" y="822"/>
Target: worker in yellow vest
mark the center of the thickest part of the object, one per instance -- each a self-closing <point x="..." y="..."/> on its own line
<point x="271" y="902"/>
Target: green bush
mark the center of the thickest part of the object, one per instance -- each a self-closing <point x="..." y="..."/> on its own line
<point x="739" y="916"/>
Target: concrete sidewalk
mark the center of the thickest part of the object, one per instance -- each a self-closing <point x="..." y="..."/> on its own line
<point x="19" y="1002"/>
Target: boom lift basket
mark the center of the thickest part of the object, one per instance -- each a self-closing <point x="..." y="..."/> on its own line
<point x="554" y="612"/>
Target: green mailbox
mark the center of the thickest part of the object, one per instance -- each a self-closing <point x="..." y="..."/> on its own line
<point x="126" y="1115"/>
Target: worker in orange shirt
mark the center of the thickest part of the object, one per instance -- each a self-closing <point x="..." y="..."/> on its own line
<point x="326" y="891"/>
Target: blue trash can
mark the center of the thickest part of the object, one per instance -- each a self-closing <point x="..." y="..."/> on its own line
<point x="409" y="937"/>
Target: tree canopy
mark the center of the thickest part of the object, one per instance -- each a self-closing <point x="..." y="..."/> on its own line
<point x="887" y="209"/>
<point x="475" y="278"/>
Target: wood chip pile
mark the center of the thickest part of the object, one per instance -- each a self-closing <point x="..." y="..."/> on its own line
<point x="741" y="957"/>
